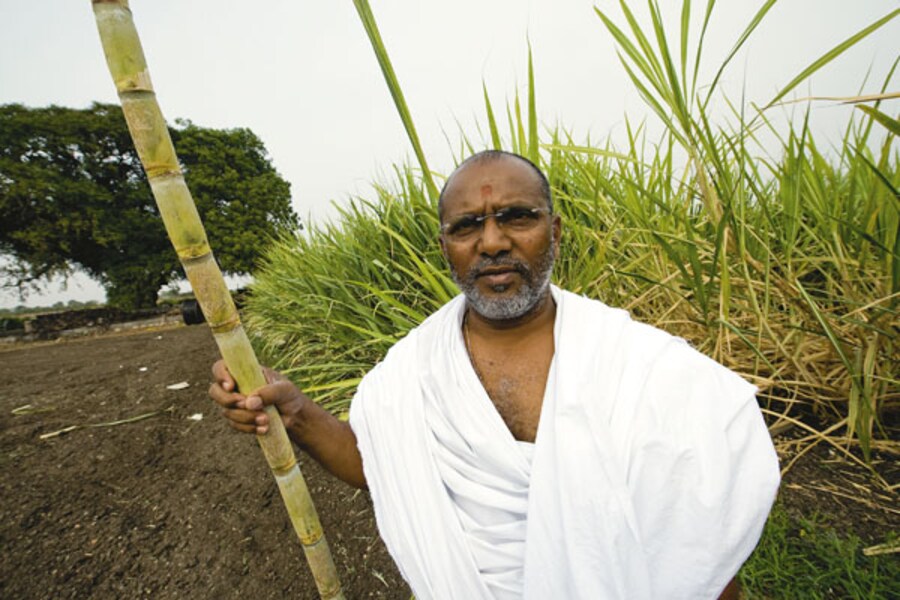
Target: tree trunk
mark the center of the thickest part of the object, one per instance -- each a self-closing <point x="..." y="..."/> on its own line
<point x="133" y="288"/>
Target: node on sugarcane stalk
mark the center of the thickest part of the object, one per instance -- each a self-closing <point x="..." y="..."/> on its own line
<point x="125" y="58"/>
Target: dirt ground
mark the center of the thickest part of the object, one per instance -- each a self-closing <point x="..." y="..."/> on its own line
<point x="164" y="507"/>
<point x="176" y="505"/>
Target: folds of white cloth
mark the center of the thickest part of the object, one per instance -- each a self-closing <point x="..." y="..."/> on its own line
<point x="651" y="476"/>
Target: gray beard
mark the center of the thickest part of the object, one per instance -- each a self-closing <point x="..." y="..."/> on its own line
<point x="535" y="283"/>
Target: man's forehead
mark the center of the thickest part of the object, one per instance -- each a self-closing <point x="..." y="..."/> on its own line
<point x="484" y="176"/>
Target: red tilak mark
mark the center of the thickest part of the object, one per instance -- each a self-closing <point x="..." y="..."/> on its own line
<point x="486" y="190"/>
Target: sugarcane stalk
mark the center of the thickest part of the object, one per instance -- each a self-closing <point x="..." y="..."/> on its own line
<point x="128" y="68"/>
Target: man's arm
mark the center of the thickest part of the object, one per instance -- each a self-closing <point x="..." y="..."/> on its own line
<point x="328" y="440"/>
<point x="732" y="591"/>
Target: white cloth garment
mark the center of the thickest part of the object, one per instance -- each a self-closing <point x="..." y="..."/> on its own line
<point x="651" y="476"/>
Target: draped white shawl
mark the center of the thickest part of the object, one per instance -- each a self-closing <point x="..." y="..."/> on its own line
<point x="652" y="472"/>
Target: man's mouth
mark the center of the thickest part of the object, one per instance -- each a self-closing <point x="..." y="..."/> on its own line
<point x="498" y="276"/>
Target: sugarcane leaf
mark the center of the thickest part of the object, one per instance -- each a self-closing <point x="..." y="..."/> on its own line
<point x="533" y="142"/>
<point x="390" y="77"/>
<point x="492" y="121"/>
<point x="890" y="123"/>
<point x="834" y="53"/>
<point x="742" y="39"/>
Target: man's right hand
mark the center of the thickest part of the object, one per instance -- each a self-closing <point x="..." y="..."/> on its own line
<point x="327" y="439"/>
<point x="245" y="413"/>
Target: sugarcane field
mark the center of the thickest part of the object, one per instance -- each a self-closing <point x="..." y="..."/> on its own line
<point x="452" y="301"/>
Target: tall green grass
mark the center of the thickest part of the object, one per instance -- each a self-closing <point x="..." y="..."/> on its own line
<point x="782" y="265"/>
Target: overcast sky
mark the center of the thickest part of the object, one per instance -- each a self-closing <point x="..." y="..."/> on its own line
<point x="301" y="74"/>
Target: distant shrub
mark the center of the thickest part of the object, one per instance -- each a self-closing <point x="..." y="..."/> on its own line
<point x="11" y="324"/>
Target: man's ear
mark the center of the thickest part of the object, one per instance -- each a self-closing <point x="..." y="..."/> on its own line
<point x="556" y="228"/>
<point x="443" y="247"/>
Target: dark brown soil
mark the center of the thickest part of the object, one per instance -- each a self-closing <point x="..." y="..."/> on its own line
<point x="170" y="507"/>
<point x="165" y="507"/>
<point x="843" y="493"/>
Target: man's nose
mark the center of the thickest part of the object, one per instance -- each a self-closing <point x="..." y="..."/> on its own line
<point x="493" y="239"/>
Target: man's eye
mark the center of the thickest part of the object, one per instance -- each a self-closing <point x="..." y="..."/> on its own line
<point x="463" y="226"/>
<point x="517" y="216"/>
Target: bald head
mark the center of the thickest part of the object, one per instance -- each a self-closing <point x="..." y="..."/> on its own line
<point x="542" y="186"/>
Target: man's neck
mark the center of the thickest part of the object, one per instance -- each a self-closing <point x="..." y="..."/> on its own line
<point x="541" y="317"/>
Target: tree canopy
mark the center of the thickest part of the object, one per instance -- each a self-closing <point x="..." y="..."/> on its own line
<point x="73" y="195"/>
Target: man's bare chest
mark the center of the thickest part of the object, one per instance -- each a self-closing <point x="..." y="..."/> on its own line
<point x="516" y="384"/>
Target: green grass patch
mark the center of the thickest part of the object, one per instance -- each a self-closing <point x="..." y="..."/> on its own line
<point x="802" y="557"/>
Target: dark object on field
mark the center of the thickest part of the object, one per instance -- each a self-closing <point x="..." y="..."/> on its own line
<point x="11" y="324"/>
<point x="191" y="313"/>
<point x="48" y="325"/>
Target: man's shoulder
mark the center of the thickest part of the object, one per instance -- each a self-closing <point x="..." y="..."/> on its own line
<point x="432" y="324"/>
<point x="641" y="347"/>
<point x="593" y="317"/>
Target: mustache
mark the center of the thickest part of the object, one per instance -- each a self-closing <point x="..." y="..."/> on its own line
<point x="506" y="262"/>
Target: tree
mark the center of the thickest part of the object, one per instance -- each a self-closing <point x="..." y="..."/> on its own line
<point x="73" y="195"/>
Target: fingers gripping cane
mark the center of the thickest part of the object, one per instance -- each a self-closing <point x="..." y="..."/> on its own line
<point x="128" y="68"/>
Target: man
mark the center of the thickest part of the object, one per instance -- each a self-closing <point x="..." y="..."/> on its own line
<point x="527" y="442"/>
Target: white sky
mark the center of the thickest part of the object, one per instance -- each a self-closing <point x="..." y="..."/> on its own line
<point x="302" y="76"/>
